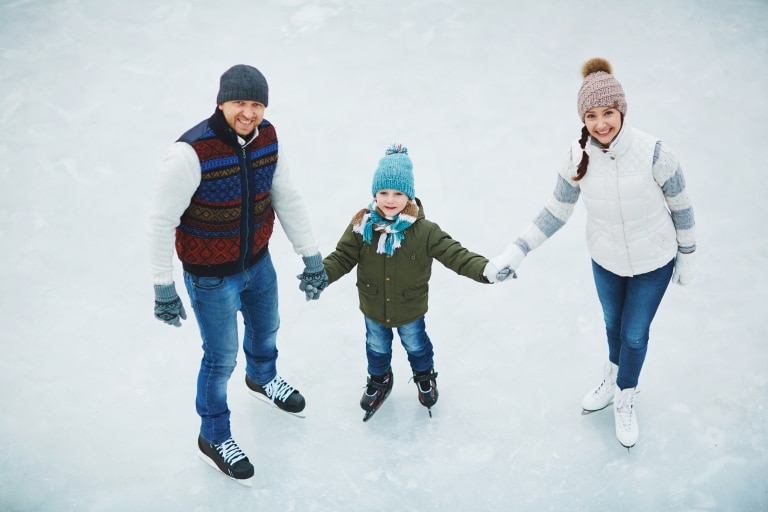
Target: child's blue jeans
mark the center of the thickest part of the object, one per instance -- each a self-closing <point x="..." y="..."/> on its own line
<point x="413" y="336"/>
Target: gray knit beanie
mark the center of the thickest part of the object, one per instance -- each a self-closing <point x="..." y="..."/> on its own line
<point x="600" y="88"/>
<point x="243" y="82"/>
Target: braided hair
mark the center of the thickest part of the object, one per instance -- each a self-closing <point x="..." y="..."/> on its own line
<point x="581" y="169"/>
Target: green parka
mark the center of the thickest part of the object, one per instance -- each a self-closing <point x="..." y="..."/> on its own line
<point x="394" y="290"/>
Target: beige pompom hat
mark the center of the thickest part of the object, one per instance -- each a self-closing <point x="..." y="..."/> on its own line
<point x="600" y="88"/>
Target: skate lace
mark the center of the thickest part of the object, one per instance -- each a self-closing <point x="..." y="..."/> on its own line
<point x="606" y="386"/>
<point x="278" y="389"/>
<point x="230" y="452"/>
<point x="603" y="389"/>
<point x="624" y="407"/>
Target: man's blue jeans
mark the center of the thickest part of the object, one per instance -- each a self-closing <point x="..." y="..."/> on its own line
<point x="629" y="305"/>
<point x="413" y="336"/>
<point x="216" y="301"/>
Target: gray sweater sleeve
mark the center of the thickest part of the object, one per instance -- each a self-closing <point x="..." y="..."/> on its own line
<point x="669" y="176"/>
<point x="556" y="212"/>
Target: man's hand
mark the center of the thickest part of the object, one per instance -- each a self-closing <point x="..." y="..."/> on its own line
<point x="313" y="279"/>
<point x="168" y="306"/>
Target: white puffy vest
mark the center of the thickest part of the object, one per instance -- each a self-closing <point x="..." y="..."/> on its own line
<point x="629" y="228"/>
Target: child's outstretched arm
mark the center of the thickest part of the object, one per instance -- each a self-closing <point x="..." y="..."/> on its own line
<point x="347" y="254"/>
<point x="456" y="257"/>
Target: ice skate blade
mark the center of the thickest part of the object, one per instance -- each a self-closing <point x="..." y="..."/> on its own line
<point x="266" y="401"/>
<point x="627" y="447"/>
<point x="585" y="412"/>
<point x="247" y="482"/>
<point x="369" y="414"/>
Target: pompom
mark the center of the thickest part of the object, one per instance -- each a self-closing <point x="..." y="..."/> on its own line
<point x="595" y="65"/>
<point x="396" y="148"/>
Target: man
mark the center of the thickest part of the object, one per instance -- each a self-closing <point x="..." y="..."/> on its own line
<point x="217" y="194"/>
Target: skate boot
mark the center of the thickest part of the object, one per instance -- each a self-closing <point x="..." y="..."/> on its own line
<point x="601" y="396"/>
<point x="378" y="389"/>
<point x="427" y="386"/>
<point x="227" y="457"/>
<point x="278" y="392"/>
<point x="627" y="430"/>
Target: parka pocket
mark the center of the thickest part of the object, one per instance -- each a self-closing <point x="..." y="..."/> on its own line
<point x="367" y="288"/>
<point x="423" y="263"/>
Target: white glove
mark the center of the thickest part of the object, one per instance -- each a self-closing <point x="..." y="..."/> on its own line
<point x="684" y="267"/>
<point x="504" y="265"/>
<point x="494" y="275"/>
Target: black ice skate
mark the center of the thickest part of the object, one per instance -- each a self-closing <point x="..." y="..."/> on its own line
<point x="228" y="458"/>
<point x="375" y="393"/>
<point x="278" y="393"/>
<point x="427" y="386"/>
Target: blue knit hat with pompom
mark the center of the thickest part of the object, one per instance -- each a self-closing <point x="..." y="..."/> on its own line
<point x="395" y="171"/>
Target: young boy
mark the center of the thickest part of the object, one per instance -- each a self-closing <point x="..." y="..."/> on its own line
<point x="393" y="245"/>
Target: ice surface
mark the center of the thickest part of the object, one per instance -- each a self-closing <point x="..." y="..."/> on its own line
<point x="97" y="403"/>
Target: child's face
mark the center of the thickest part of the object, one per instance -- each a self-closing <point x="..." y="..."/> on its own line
<point x="603" y="123"/>
<point x="391" y="201"/>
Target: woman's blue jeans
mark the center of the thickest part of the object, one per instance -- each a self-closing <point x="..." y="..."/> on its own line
<point x="413" y="336"/>
<point x="629" y="305"/>
<point x="216" y="301"/>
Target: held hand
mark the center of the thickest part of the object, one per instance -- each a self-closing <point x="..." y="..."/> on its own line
<point x="684" y="267"/>
<point x="168" y="306"/>
<point x="494" y="275"/>
<point x="313" y="279"/>
<point x="508" y="261"/>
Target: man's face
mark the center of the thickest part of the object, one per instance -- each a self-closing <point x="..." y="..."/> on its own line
<point x="243" y="116"/>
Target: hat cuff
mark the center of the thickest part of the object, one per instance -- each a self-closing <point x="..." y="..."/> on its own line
<point x="394" y="184"/>
<point x="245" y="94"/>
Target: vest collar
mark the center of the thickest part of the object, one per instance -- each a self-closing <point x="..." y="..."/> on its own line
<point x="618" y="146"/>
<point x="218" y="124"/>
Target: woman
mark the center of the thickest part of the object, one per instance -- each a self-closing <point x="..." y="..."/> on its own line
<point x="640" y="232"/>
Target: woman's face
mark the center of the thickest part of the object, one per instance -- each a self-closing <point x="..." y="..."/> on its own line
<point x="603" y="123"/>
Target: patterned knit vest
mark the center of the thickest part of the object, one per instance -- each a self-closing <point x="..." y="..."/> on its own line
<point x="230" y="219"/>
